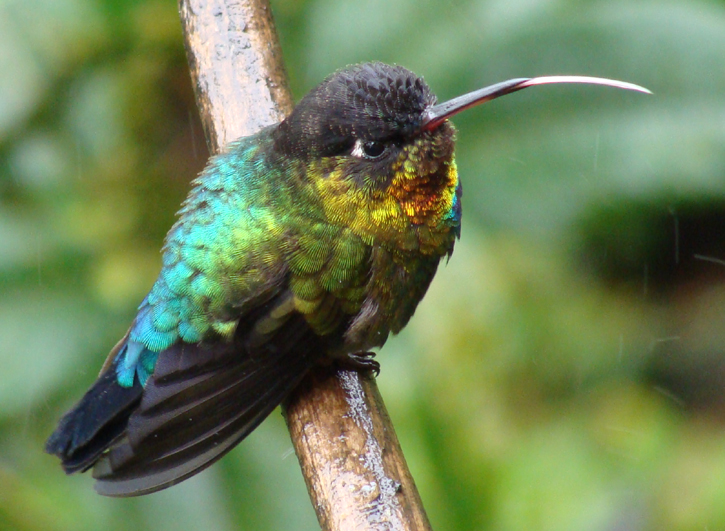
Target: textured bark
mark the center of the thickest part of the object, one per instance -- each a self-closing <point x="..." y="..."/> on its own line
<point x="351" y="459"/>
<point x="350" y="456"/>
<point x="236" y="67"/>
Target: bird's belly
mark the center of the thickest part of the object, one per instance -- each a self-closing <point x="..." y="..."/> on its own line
<point x="397" y="284"/>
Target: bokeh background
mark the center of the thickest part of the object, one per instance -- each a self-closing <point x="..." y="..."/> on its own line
<point x="566" y="370"/>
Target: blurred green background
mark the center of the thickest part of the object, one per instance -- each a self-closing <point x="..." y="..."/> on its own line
<point x="566" y="369"/>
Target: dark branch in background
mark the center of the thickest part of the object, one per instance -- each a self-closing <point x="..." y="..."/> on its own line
<point x="351" y="459"/>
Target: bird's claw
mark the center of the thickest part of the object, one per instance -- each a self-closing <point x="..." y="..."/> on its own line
<point x="361" y="361"/>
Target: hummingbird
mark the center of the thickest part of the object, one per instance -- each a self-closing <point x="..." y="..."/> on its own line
<point x="307" y="243"/>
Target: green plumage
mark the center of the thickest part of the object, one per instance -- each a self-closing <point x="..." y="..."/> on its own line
<point x="310" y="241"/>
<point x="255" y="222"/>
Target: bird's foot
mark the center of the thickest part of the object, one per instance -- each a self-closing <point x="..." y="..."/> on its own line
<point x="360" y="361"/>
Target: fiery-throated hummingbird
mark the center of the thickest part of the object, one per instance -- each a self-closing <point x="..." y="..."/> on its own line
<point x="310" y="241"/>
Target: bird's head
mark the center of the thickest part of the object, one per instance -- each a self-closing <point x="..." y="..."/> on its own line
<point x="366" y="120"/>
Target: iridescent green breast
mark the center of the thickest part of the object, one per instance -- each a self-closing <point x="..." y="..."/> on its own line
<point x="355" y="259"/>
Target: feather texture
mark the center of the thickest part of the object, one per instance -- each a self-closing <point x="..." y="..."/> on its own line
<point x="294" y="247"/>
<point x="98" y="420"/>
<point x="199" y="403"/>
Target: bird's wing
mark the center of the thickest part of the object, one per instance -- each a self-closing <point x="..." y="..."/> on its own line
<point x="202" y="399"/>
<point x="253" y="291"/>
<point x="215" y="347"/>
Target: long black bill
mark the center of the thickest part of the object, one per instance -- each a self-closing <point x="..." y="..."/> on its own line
<point x="437" y="114"/>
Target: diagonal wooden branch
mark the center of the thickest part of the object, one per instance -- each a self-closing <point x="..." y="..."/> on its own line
<point x="351" y="459"/>
<point x="236" y="67"/>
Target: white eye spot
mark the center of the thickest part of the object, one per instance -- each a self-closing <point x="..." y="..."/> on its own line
<point x="357" y="150"/>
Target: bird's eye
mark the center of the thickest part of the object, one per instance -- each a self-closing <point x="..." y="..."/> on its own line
<point x="368" y="150"/>
<point x="373" y="149"/>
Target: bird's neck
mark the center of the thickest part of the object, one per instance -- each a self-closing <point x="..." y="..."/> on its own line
<point x="416" y="211"/>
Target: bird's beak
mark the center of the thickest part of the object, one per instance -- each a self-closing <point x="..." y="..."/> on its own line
<point x="438" y="114"/>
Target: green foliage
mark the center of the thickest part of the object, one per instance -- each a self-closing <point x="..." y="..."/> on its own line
<point x="564" y="371"/>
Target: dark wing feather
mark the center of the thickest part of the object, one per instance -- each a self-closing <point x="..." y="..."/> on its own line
<point x="98" y="419"/>
<point x="201" y="401"/>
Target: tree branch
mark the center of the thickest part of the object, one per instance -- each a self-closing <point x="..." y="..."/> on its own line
<point x="236" y="67"/>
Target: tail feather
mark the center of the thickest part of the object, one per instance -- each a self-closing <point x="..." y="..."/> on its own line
<point x="201" y="400"/>
<point x="188" y="420"/>
<point x="99" y="418"/>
